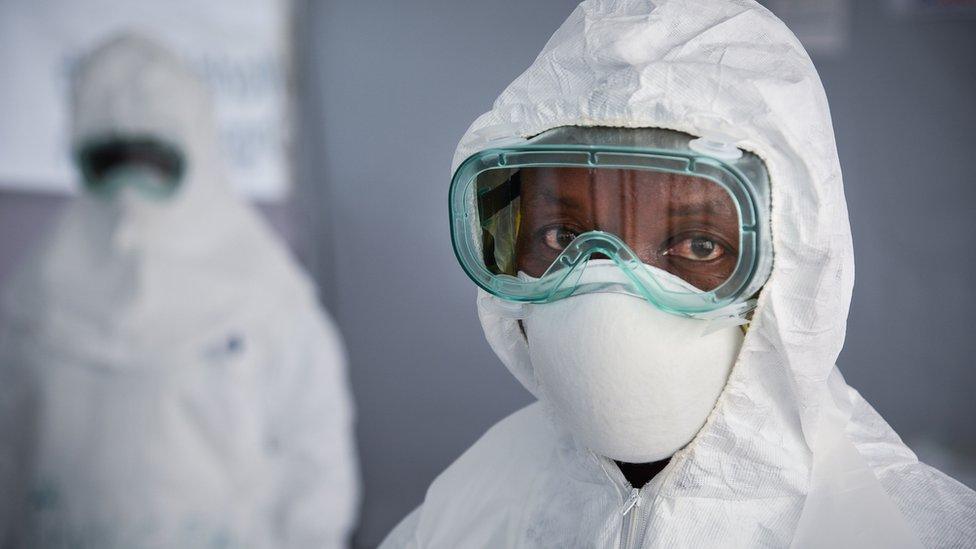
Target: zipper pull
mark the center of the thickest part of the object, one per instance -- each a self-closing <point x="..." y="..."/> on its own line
<point x="634" y="500"/>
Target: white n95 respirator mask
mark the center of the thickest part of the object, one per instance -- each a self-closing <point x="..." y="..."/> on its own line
<point x="630" y="382"/>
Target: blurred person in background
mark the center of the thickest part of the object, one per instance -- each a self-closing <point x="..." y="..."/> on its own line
<point x="167" y="378"/>
<point x="654" y="213"/>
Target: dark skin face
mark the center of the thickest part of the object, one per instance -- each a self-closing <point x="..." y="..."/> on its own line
<point x="682" y="224"/>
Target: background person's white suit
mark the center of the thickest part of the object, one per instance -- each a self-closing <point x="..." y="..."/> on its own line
<point x="790" y="455"/>
<point x="167" y="378"/>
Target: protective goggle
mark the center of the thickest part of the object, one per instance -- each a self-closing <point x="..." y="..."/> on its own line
<point x="152" y="166"/>
<point x="679" y="221"/>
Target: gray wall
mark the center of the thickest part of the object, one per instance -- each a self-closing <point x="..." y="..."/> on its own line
<point x="904" y="110"/>
<point x="398" y="87"/>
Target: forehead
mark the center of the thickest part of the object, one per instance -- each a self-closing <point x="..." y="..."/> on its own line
<point x="586" y="184"/>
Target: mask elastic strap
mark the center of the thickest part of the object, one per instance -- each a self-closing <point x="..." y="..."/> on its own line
<point x="736" y="314"/>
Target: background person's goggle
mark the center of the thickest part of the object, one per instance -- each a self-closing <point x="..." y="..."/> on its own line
<point x="153" y="166"/>
<point x="639" y="211"/>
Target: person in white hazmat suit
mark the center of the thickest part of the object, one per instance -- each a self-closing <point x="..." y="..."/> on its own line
<point x="654" y="214"/>
<point x="167" y="378"/>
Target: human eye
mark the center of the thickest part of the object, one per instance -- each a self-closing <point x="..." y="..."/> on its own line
<point x="698" y="247"/>
<point x="558" y="237"/>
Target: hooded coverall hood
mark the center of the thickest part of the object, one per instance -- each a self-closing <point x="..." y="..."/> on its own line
<point x="168" y="378"/>
<point x="112" y="267"/>
<point x="790" y="455"/>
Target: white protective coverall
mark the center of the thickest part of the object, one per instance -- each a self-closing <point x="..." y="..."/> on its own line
<point x="790" y="455"/>
<point x="166" y="376"/>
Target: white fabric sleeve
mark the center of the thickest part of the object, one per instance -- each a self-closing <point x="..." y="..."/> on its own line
<point x="317" y="492"/>
<point x="403" y="536"/>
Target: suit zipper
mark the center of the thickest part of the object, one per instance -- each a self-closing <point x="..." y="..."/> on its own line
<point x="637" y="503"/>
<point x="631" y="519"/>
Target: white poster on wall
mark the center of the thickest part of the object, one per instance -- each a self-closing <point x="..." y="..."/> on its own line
<point x="240" y="47"/>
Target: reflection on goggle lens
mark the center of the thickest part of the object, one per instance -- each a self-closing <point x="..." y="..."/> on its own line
<point x="682" y="224"/>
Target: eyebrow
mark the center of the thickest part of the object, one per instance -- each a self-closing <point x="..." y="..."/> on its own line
<point x="714" y="207"/>
<point x="547" y="195"/>
<point x="711" y="207"/>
